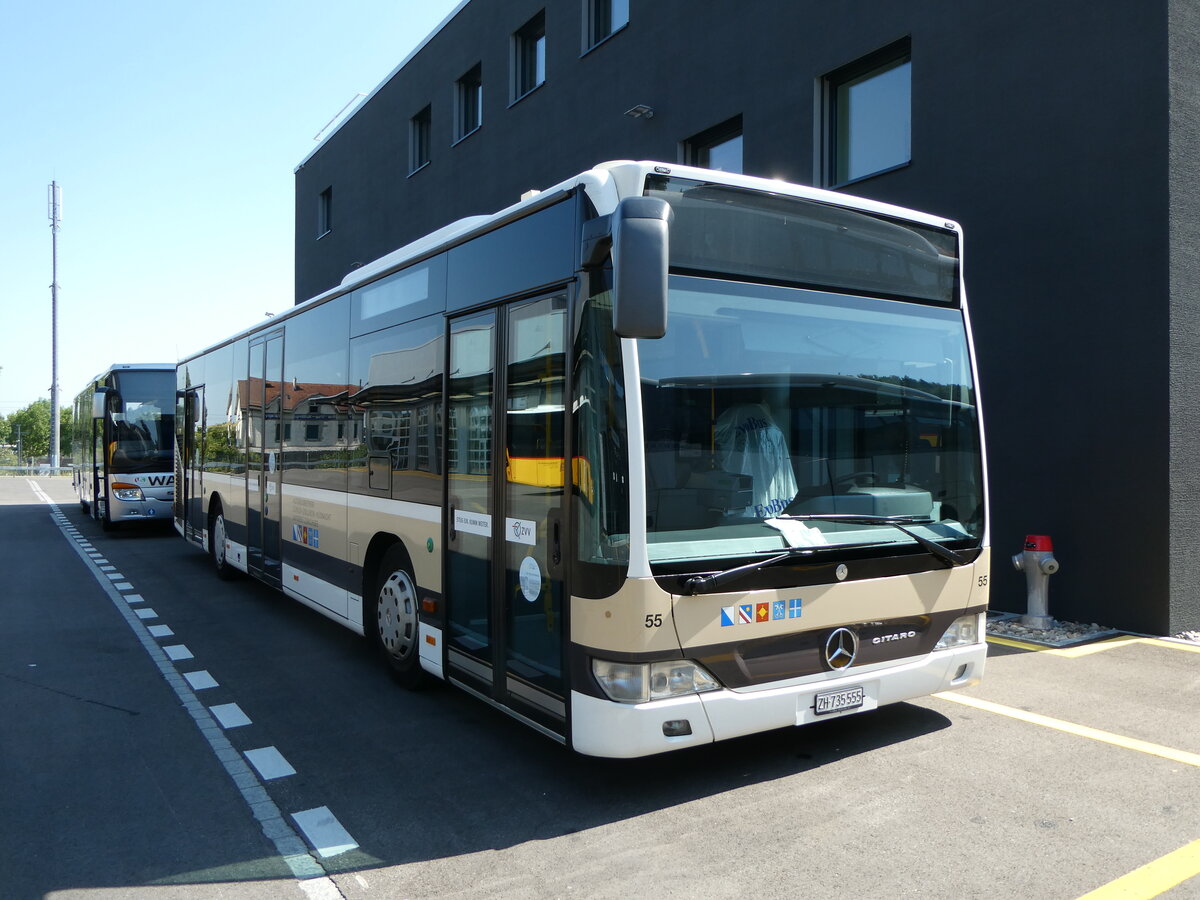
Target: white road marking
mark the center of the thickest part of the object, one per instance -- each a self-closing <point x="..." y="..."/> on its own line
<point x="270" y="763"/>
<point x="114" y="575"/>
<point x="311" y="876"/>
<point x="200" y="680"/>
<point x="230" y="715"/>
<point x="324" y="831"/>
<point x="160" y="631"/>
<point x="146" y="612"/>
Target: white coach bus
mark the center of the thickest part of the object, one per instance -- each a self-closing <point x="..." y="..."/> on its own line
<point x="657" y="457"/>
<point x="122" y="440"/>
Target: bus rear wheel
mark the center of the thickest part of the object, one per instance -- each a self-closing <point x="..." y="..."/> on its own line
<point x="392" y="620"/>
<point x="216" y="547"/>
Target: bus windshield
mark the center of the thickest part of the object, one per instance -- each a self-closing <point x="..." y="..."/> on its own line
<point x="143" y="422"/>
<point x="763" y="403"/>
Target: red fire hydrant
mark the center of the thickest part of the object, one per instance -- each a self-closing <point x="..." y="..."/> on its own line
<point x="1038" y="563"/>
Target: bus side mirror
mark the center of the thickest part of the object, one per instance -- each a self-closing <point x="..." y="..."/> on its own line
<point x="637" y="234"/>
<point x="640" y="253"/>
<point x="98" y="402"/>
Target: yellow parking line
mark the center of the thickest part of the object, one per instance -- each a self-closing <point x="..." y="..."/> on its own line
<point x="1153" y="878"/>
<point x="1095" y="734"/>
<point x="1098" y="647"/>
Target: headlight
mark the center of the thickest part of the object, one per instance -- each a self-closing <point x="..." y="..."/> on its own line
<point x="962" y="631"/>
<point x="126" y="491"/>
<point x="640" y="682"/>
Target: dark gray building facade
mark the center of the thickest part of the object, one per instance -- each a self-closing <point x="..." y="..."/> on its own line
<point x="1064" y="137"/>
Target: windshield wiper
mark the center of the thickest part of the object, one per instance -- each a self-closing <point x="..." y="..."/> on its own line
<point x="698" y="582"/>
<point x="945" y="554"/>
<point x="951" y="558"/>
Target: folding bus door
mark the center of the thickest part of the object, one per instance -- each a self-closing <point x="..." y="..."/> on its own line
<point x="264" y="447"/>
<point x="190" y="482"/>
<point x="505" y="494"/>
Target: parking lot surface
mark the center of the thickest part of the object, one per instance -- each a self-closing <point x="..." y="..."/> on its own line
<point x="272" y="757"/>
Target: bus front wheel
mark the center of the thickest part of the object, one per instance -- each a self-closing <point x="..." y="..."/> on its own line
<point x="392" y="620"/>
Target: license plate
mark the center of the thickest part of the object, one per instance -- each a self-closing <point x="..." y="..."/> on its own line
<point x="838" y="701"/>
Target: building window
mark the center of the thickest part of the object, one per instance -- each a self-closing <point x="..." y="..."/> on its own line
<point x="468" y="103"/>
<point x="529" y="56"/>
<point x="868" y="124"/>
<point x="603" y="18"/>
<point x="325" y="212"/>
<point x="719" y="147"/>
<point x="419" y="127"/>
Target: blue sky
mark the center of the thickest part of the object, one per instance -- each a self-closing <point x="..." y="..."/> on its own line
<point x="173" y="130"/>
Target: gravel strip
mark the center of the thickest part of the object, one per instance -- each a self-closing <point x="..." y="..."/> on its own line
<point x="1062" y="631"/>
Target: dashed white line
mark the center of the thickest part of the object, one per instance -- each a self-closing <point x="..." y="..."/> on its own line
<point x="146" y="612"/>
<point x="324" y="831"/>
<point x="160" y="631"/>
<point x="133" y="598"/>
<point x="270" y="763"/>
<point x="200" y="680"/>
<point x="230" y="715"/>
<point x="177" y="652"/>
<point x="124" y="586"/>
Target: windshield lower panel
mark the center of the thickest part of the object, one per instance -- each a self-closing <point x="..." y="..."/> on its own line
<point x="763" y="403"/>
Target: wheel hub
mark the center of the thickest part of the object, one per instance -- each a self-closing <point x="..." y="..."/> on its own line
<point x="397" y="615"/>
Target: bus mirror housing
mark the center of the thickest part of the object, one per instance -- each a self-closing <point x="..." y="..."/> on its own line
<point x="637" y="233"/>
<point x="99" y="400"/>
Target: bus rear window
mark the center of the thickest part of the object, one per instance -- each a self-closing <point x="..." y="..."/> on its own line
<point x="761" y="236"/>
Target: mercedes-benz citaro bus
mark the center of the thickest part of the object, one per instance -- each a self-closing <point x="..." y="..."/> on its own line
<point x="122" y="444"/>
<point x="775" y="510"/>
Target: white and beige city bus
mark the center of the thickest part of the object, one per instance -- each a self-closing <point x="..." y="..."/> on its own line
<point x="122" y="439"/>
<point x="657" y="457"/>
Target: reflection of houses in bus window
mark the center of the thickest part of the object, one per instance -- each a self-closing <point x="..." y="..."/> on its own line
<point x="469" y="447"/>
<point x="306" y="416"/>
<point x="399" y="406"/>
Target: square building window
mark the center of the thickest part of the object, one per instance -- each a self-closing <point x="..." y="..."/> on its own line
<point x="602" y="18"/>
<point x="325" y="212"/>
<point x="419" y="129"/>
<point x="529" y="56"/>
<point x="868" y="123"/>
<point x="468" y="102"/>
<point x="718" y="148"/>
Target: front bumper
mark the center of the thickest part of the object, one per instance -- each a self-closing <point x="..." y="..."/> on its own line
<point x="601" y="727"/>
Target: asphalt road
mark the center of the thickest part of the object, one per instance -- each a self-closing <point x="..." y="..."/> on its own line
<point x="272" y="757"/>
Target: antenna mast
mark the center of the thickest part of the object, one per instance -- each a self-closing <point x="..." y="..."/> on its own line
<point x="55" y="214"/>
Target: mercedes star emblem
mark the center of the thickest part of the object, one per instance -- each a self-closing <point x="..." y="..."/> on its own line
<point x="841" y="648"/>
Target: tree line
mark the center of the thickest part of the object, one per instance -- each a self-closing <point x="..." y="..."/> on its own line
<point x="33" y="425"/>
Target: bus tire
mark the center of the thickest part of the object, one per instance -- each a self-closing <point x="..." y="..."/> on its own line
<point x="392" y="620"/>
<point x="216" y="546"/>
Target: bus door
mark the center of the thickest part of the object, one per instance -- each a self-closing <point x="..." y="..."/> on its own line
<point x="504" y="507"/>
<point x="264" y="448"/>
<point x="192" y="475"/>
